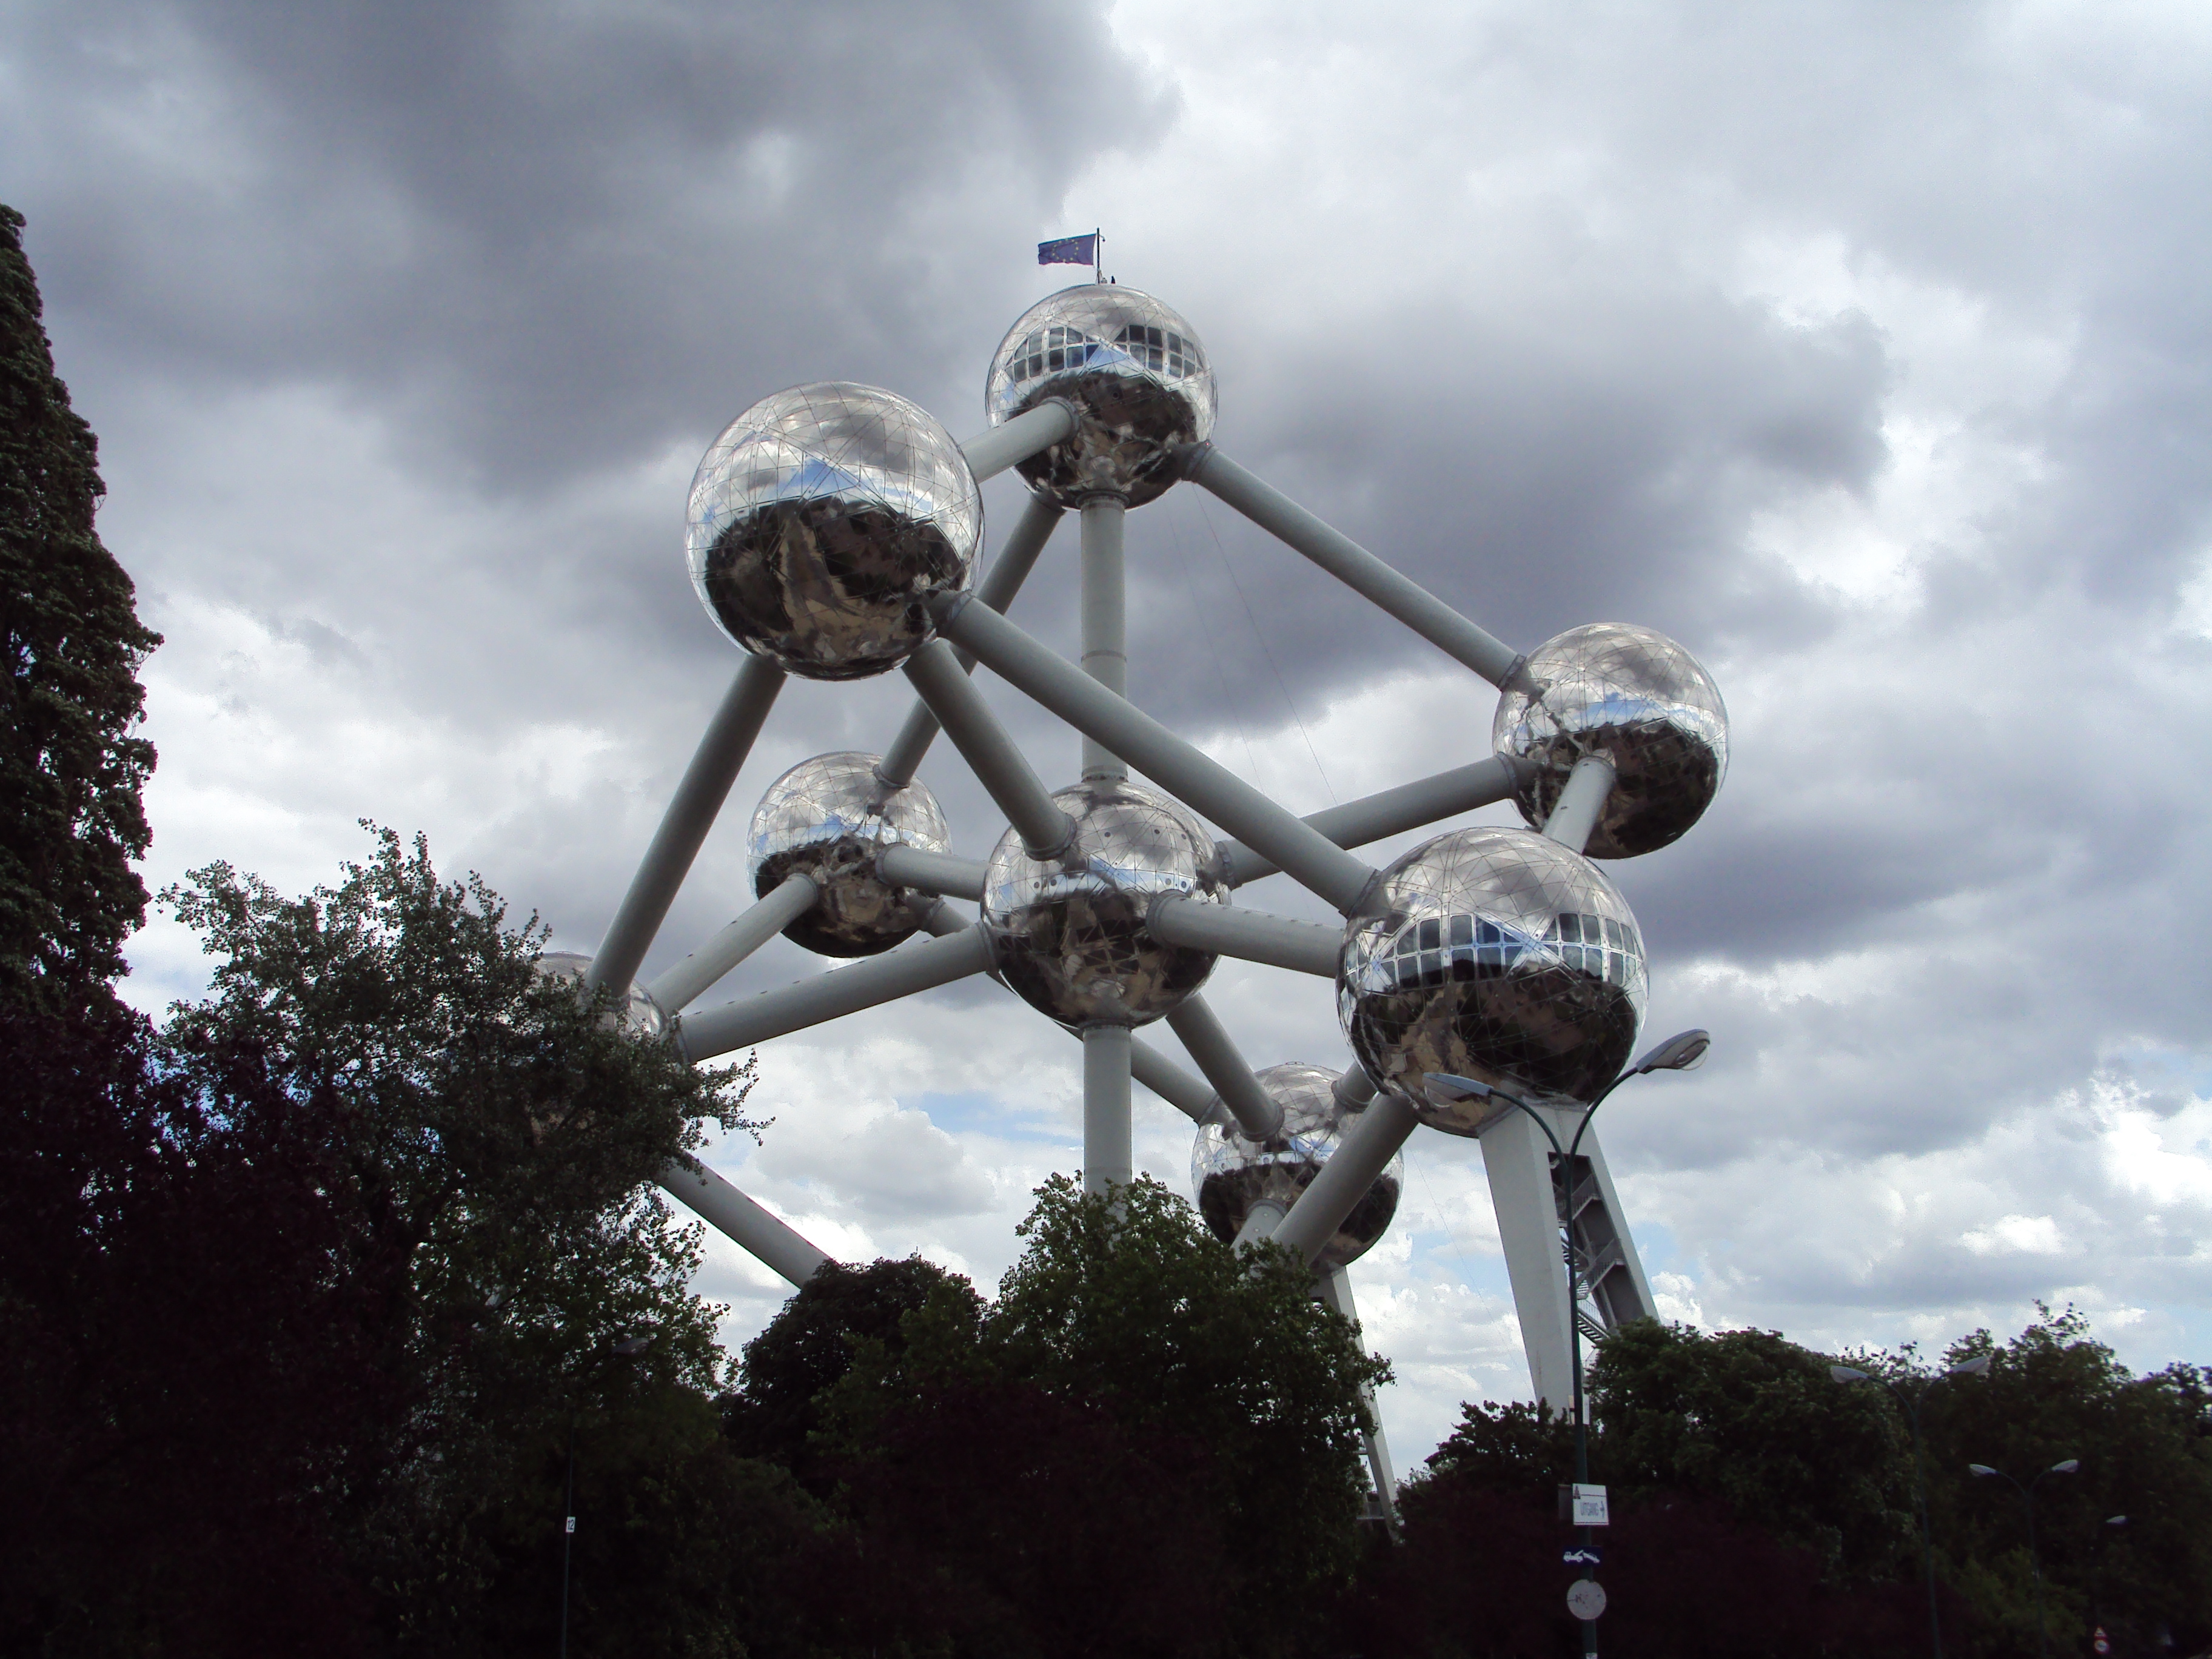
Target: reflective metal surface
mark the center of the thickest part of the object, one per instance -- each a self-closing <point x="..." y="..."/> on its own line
<point x="1135" y="373"/>
<point x="1070" y="932"/>
<point x="1637" y="700"/>
<point x="821" y="520"/>
<point x="828" y="818"/>
<point x="640" y="1013"/>
<point x="1494" y="954"/>
<point x="1229" y="1173"/>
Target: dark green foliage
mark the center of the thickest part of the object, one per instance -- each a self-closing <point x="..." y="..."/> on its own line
<point x="71" y="772"/>
<point x="1517" y="1448"/>
<point x="1756" y="1422"/>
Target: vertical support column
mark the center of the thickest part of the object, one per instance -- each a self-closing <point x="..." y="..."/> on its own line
<point x="1107" y="1159"/>
<point x="1518" y="1161"/>
<point x="1335" y="1289"/>
<point x="1105" y="620"/>
<point x="1618" y="1289"/>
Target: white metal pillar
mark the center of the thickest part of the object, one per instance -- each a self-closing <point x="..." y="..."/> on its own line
<point x="1108" y="1158"/>
<point x="1334" y="1287"/>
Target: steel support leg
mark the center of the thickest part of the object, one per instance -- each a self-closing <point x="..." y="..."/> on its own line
<point x="748" y="1226"/>
<point x="1108" y="1160"/>
<point x="911" y="967"/>
<point x="690" y="814"/>
<point x="989" y="750"/>
<point x="1336" y="1290"/>
<point x="1580" y="803"/>
<point x="1258" y="1115"/>
<point x="681" y="985"/>
<point x="1392" y="813"/>
<point x="1343" y="1180"/>
<point x="1105" y="623"/>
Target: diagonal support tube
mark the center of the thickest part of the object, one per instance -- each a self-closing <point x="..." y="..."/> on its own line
<point x="1045" y="829"/>
<point x="1303" y="947"/>
<point x="991" y="452"/>
<point x="1392" y="813"/>
<point x="1353" y="565"/>
<point x="1303" y="853"/>
<point x="869" y="984"/>
<point x="1580" y="803"/>
<point x="1258" y="1115"/>
<point x="683" y="826"/>
<point x="1344" y="1179"/>
<point x="1007" y="573"/>
<point x="749" y="1225"/>
<point x="678" y="988"/>
<point x="931" y="873"/>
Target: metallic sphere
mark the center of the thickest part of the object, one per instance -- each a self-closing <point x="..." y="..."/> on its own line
<point x="1138" y="377"/>
<point x="1498" y="955"/>
<point x="826" y="819"/>
<point x="1230" y="1173"/>
<point x="1632" y="697"/>
<point x="639" y="1014"/>
<point x="1070" y="933"/>
<point x="823" y="520"/>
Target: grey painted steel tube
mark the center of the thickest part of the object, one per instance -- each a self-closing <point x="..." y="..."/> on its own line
<point x="991" y="452"/>
<point x="1000" y="583"/>
<point x="1258" y="1115"/>
<point x="931" y="873"/>
<point x="1107" y="1159"/>
<point x="1265" y="1216"/>
<point x="1353" y="565"/>
<point x="683" y="826"/>
<point x="1580" y="803"/>
<point x="1393" y="812"/>
<point x="867" y="984"/>
<point x="1303" y="947"/>
<point x="1354" y="1088"/>
<point x="1344" y="1179"/>
<point x="791" y="898"/>
<point x="1045" y="829"/>
<point x="746" y="1224"/>
<point x="1105" y="621"/>
<point x="1186" y="1093"/>
<point x="1306" y="855"/>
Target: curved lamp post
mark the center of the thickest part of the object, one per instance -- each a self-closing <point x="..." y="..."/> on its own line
<point x="2069" y="1465"/>
<point x="1680" y="1053"/>
<point x="1973" y="1367"/>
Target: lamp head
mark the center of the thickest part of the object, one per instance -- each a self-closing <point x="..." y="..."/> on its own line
<point x="1848" y="1374"/>
<point x="2116" y="1520"/>
<point x="1448" y="1089"/>
<point x="2071" y="1466"/>
<point x="1979" y="1468"/>
<point x="1973" y="1367"/>
<point x="1683" y="1052"/>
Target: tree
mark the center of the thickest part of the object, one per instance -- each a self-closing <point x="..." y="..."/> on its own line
<point x="71" y="774"/>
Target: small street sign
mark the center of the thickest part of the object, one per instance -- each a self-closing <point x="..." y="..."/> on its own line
<point x="1586" y="1599"/>
<point x="2100" y="1641"/>
<point x="571" y="1524"/>
<point x="1583" y="1555"/>
<point x="1590" y="1507"/>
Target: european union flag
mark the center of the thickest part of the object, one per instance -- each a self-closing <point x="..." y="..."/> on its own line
<point x="1070" y="251"/>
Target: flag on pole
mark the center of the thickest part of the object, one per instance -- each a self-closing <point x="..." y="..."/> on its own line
<point x="1070" y="251"/>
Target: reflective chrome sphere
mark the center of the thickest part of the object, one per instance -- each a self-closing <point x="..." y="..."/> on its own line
<point x="1136" y="374"/>
<point x="823" y="518"/>
<point x="1635" y="698"/>
<point x="640" y="1015"/>
<point x="1496" y="955"/>
<point x="1230" y="1173"/>
<point x="1069" y="934"/>
<point x="826" y="819"/>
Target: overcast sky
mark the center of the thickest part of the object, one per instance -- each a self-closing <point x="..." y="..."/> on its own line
<point x="1862" y="348"/>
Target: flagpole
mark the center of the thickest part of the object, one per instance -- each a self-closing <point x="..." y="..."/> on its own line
<point x="1098" y="257"/>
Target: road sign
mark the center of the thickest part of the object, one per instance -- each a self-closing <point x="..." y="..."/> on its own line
<point x="1590" y="1507"/>
<point x="1586" y="1599"/>
<point x="1583" y="1555"/>
<point x="2100" y="1641"/>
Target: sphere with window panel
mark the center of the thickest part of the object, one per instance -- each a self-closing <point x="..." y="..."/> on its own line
<point x="1136" y="375"/>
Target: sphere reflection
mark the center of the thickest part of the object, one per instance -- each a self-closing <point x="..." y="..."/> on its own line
<point x="1070" y="933"/>
<point x="1637" y="700"/>
<point x="637" y="1013"/>
<point x="823" y="520"/>
<point x="826" y="819"/>
<point x="1230" y="1173"/>
<point x="1138" y="377"/>
<point x="1494" y="954"/>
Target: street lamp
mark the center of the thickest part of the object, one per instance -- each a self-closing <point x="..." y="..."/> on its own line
<point x="2109" y="1527"/>
<point x="1682" y="1052"/>
<point x="2069" y="1465"/>
<point x="1973" y="1367"/>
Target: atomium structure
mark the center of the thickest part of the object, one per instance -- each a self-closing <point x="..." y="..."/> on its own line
<point x="834" y="533"/>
